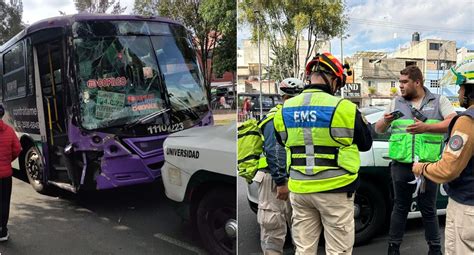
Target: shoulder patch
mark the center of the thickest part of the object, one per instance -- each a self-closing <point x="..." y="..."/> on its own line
<point x="456" y="142"/>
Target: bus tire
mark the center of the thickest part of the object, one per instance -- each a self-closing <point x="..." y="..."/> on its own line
<point x="370" y="212"/>
<point x="216" y="208"/>
<point x="34" y="168"/>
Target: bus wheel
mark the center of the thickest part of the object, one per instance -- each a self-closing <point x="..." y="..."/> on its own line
<point x="370" y="212"/>
<point x="34" y="169"/>
<point x="216" y="221"/>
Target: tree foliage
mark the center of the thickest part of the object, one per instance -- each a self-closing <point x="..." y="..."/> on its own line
<point x="212" y="23"/>
<point x="146" y="7"/>
<point x="10" y="19"/>
<point x="284" y="22"/>
<point x="100" y="6"/>
<point x="225" y="52"/>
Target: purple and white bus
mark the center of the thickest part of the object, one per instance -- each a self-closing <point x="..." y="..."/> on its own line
<point x="92" y="97"/>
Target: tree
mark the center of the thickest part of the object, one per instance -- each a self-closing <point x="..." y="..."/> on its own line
<point x="146" y="7"/>
<point x="209" y="20"/>
<point x="284" y="22"/>
<point x="225" y="52"/>
<point x="10" y="15"/>
<point x="100" y="6"/>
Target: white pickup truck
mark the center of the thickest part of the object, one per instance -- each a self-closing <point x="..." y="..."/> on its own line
<point x="200" y="173"/>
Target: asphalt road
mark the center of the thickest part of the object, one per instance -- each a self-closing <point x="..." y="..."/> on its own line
<point x="249" y="233"/>
<point x="133" y="220"/>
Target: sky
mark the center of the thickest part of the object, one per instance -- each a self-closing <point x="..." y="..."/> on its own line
<point x="382" y="25"/>
<point x="386" y="25"/>
<point x="35" y="10"/>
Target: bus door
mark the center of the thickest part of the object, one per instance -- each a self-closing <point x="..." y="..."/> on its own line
<point x="51" y="72"/>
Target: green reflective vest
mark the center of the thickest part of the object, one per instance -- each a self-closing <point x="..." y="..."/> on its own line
<point x="405" y="147"/>
<point x="250" y="147"/>
<point x="317" y="130"/>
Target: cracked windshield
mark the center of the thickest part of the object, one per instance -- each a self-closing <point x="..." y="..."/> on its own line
<point x="119" y="78"/>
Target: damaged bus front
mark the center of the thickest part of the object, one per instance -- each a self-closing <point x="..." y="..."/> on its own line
<point x="107" y="91"/>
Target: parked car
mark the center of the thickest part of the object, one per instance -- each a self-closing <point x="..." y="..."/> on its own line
<point x="374" y="199"/>
<point x="199" y="173"/>
<point x="268" y="101"/>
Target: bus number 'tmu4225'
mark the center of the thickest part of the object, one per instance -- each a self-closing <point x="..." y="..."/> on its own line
<point x="92" y="97"/>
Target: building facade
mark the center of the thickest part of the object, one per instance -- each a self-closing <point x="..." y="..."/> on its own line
<point x="248" y="64"/>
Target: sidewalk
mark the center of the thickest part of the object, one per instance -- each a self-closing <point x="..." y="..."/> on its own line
<point x="225" y="118"/>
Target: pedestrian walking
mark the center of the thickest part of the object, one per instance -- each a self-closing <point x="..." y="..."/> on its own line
<point x="9" y="150"/>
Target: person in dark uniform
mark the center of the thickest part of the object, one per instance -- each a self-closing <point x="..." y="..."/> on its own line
<point x="456" y="171"/>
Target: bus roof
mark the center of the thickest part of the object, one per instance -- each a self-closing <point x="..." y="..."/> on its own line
<point x="62" y="21"/>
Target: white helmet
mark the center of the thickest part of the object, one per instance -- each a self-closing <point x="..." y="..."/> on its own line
<point x="291" y="87"/>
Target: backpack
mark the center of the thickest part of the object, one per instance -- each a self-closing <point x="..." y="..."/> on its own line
<point x="250" y="147"/>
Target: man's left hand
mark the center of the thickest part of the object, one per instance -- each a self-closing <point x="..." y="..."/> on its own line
<point x="418" y="128"/>
<point x="282" y="192"/>
<point x="417" y="169"/>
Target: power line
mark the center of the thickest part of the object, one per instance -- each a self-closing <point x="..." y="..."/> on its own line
<point x="409" y="26"/>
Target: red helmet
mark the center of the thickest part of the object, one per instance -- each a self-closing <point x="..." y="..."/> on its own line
<point x="325" y="62"/>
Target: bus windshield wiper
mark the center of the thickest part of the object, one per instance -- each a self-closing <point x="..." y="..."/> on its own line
<point x="186" y="107"/>
<point x="146" y="118"/>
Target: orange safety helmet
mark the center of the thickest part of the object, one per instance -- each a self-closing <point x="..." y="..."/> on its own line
<point x="327" y="63"/>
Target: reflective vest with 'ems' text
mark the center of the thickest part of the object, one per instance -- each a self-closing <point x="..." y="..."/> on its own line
<point x="318" y="130"/>
<point x="405" y="147"/>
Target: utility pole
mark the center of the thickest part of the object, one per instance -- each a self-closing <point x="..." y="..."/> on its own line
<point x="342" y="61"/>
<point x="268" y="65"/>
<point x="257" y="13"/>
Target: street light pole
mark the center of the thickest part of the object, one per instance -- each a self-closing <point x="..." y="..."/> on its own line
<point x="342" y="61"/>
<point x="268" y="65"/>
<point x="259" y="63"/>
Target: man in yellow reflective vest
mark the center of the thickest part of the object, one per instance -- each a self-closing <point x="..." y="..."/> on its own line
<point x="274" y="212"/>
<point x="417" y="135"/>
<point x="318" y="131"/>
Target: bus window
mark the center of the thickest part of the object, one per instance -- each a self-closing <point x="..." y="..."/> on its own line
<point x="180" y="70"/>
<point x="29" y="59"/>
<point x="14" y="78"/>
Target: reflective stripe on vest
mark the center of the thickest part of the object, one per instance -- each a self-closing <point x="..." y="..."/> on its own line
<point x="403" y="146"/>
<point x="318" y="130"/>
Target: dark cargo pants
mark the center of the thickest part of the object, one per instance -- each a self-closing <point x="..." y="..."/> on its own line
<point x="426" y="203"/>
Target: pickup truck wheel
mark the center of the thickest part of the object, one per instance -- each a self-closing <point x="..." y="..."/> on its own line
<point x="216" y="221"/>
<point x="369" y="212"/>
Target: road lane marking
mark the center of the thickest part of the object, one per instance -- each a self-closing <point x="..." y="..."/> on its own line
<point x="179" y="243"/>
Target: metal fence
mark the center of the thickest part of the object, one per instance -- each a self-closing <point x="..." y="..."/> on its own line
<point x="241" y="117"/>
